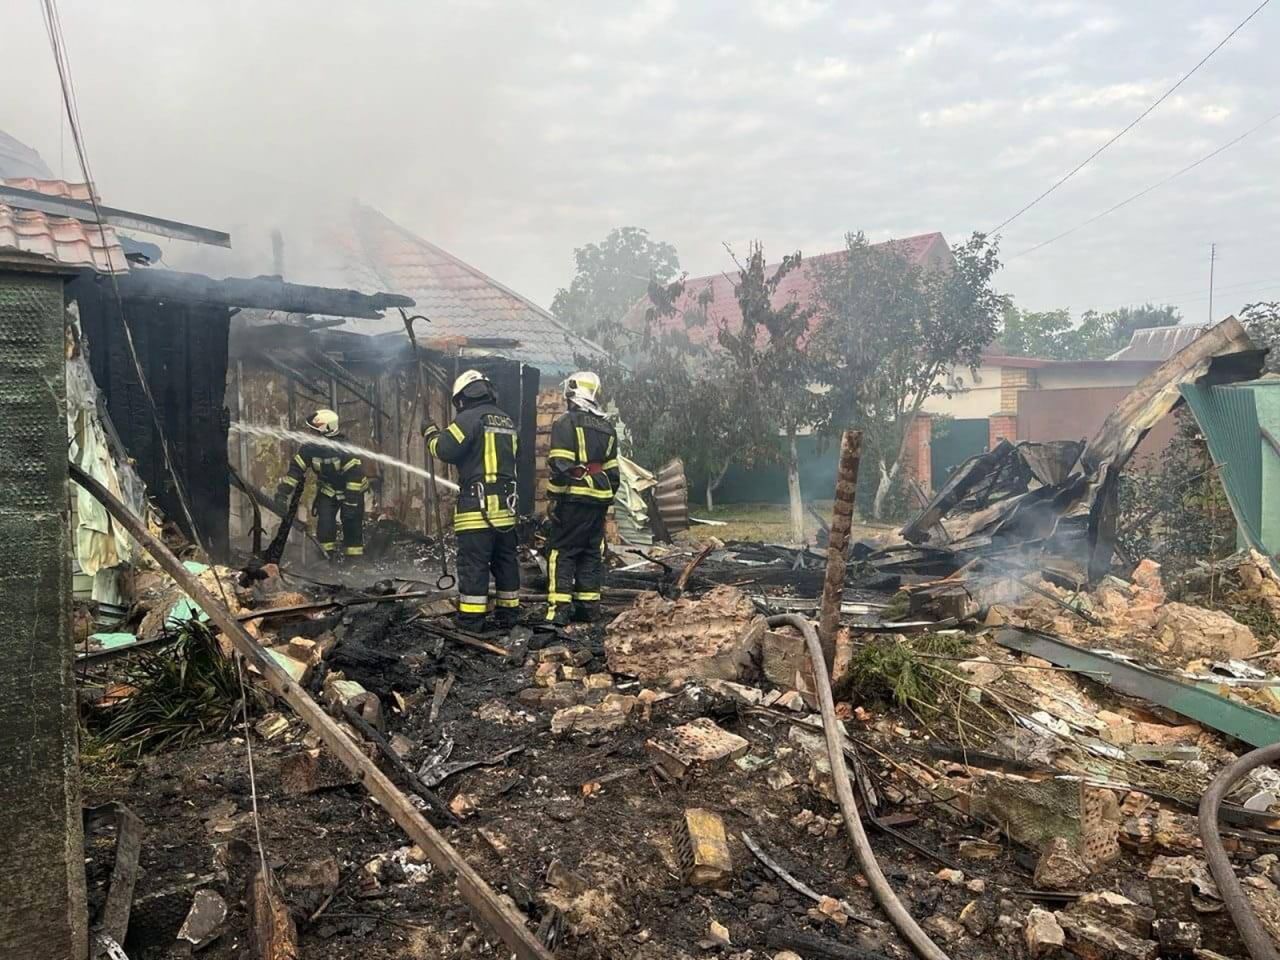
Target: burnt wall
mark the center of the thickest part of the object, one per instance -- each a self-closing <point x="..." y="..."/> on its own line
<point x="182" y="348"/>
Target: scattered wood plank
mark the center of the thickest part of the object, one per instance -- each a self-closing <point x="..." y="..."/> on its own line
<point x="443" y="686"/>
<point x="272" y="934"/>
<point x="370" y="733"/>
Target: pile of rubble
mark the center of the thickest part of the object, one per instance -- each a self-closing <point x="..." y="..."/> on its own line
<point x="659" y="786"/>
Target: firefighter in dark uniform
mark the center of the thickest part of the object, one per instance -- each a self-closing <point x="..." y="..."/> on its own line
<point x="583" y="462"/>
<point x="481" y="442"/>
<point x="340" y="486"/>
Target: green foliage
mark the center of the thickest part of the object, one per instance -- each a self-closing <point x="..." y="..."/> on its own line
<point x="1175" y="511"/>
<point x="1051" y="334"/>
<point x="891" y="331"/>
<point x="899" y="670"/>
<point x="186" y="691"/>
<point x="611" y="277"/>
<point x="1262" y="320"/>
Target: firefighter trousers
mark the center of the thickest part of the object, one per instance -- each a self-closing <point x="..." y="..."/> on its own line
<point x="327" y="509"/>
<point x="575" y="557"/>
<point x="480" y="553"/>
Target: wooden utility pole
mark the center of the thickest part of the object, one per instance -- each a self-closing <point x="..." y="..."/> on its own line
<point x="838" y="544"/>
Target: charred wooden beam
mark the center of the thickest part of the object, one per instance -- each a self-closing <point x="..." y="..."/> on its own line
<point x="838" y="543"/>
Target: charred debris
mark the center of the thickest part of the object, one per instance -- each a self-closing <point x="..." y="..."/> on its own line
<point x="969" y="739"/>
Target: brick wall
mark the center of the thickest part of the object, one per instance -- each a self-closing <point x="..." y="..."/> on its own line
<point x="1002" y="427"/>
<point x="1013" y="380"/>
<point x="917" y="460"/>
<point x="550" y="406"/>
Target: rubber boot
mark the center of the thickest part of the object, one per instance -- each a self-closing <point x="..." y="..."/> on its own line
<point x="562" y="616"/>
<point x="585" y="611"/>
<point x="506" y="617"/>
<point x="470" y="622"/>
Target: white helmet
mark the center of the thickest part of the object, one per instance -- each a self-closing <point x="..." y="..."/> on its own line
<point x="323" y="422"/>
<point x="466" y="379"/>
<point x="582" y="389"/>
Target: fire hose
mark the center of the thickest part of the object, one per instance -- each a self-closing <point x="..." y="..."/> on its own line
<point x="1255" y="937"/>
<point x="876" y="880"/>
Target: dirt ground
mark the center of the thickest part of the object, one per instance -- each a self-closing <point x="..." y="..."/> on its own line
<point x="530" y="811"/>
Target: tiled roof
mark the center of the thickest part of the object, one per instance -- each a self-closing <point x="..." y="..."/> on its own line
<point x="378" y="254"/>
<point x="1159" y="343"/>
<point x="50" y="187"/>
<point x="61" y="240"/>
<point x="799" y="286"/>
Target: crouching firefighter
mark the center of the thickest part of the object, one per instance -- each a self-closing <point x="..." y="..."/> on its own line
<point x="481" y="442"/>
<point x="340" y="485"/>
<point x="583" y="462"/>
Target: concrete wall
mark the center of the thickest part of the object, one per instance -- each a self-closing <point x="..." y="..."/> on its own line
<point x="1077" y="414"/>
<point x="42" y="885"/>
<point x="972" y="396"/>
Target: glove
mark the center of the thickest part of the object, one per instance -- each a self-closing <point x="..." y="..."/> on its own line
<point x="284" y="493"/>
<point x="429" y="430"/>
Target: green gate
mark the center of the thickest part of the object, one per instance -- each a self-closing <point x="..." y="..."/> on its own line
<point x="954" y="442"/>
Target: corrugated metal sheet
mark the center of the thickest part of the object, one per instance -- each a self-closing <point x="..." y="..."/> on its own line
<point x="61" y="240"/>
<point x="672" y="497"/>
<point x="1228" y="418"/>
<point x="1159" y="343"/>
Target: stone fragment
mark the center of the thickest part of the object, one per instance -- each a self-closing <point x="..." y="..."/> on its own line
<point x="547" y="674"/>
<point x="1117" y="910"/>
<point x="976" y="917"/>
<point x="1060" y="867"/>
<point x="953" y="877"/>
<point x="1091" y="939"/>
<point x="1190" y="633"/>
<point x="563" y="878"/>
<point x="271" y="726"/>
<point x="204" y="922"/>
<point x="584" y="718"/>
<point x="660" y="640"/>
<point x="943" y="928"/>
<point x="1043" y="934"/>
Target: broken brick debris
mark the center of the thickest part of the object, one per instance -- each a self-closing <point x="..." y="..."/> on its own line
<point x="702" y="848"/>
<point x="697" y="746"/>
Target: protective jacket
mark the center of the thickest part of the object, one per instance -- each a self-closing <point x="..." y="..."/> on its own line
<point x="340" y="490"/>
<point x="583" y="459"/>
<point x="481" y="443"/>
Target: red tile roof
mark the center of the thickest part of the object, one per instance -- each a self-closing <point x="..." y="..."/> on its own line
<point x="799" y="286"/>
<point x="62" y="240"/>
<point x="375" y="253"/>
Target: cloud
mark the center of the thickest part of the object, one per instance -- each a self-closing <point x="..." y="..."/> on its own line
<point x="825" y="70"/>
<point x="960" y="114"/>
<point x="875" y="23"/>
<point x="925" y="45"/>
<point x="789" y="14"/>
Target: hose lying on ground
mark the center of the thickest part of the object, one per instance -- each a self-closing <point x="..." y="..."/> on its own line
<point x="880" y="889"/>
<point x="1255" y="937"/>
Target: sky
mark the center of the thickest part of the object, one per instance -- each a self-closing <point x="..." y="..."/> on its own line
<point x="511" y="132"/>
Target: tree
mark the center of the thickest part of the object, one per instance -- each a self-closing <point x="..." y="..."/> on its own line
<point x="611" y="276"/>
<point x="677" y="399"/>
<point x="890" y="332"/>
<point x="1262" y="321"/>
<point x="1050" y="334"/>
<point x="772" y="372"/>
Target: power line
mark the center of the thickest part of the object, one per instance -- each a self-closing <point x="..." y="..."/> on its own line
<point x="1142" y="193"/>
<point x="58" y="43"/>
<point x="1133" y="123"/>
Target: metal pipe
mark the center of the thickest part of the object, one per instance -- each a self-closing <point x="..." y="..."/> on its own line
<point x="876" y="880"/>
<point x="1256" y="939"/>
